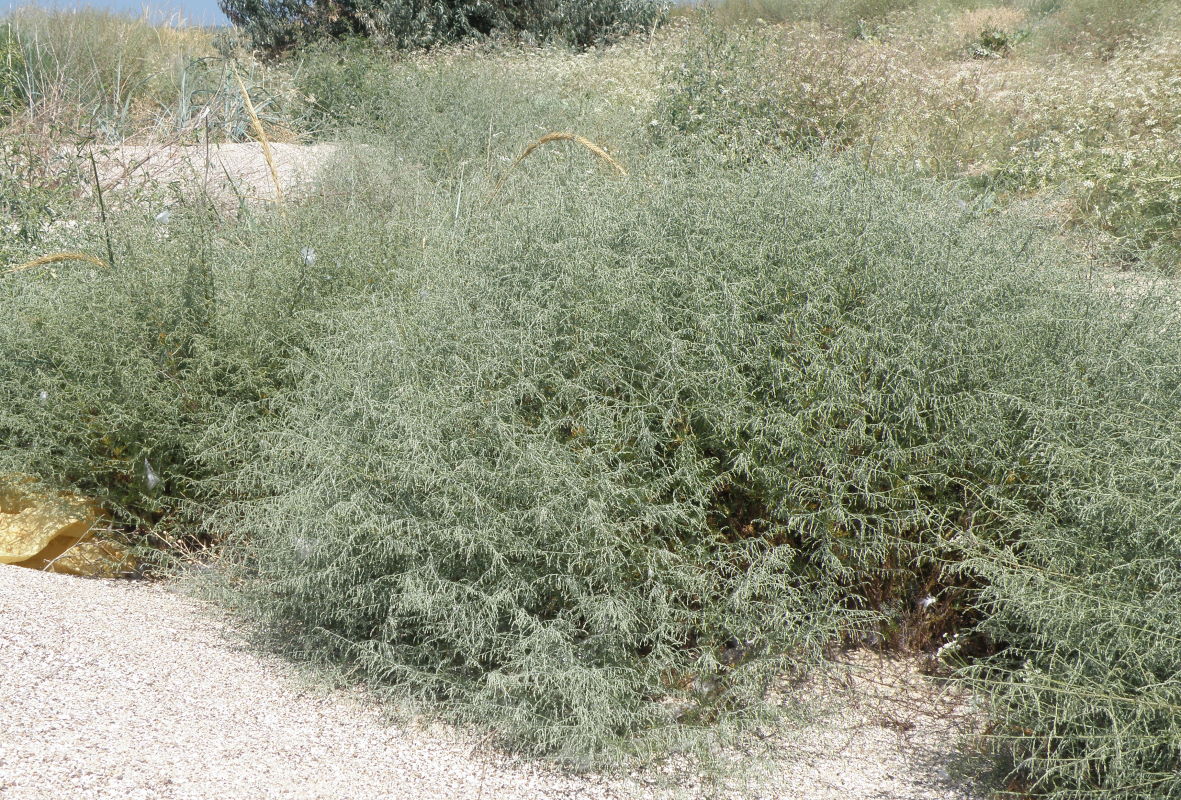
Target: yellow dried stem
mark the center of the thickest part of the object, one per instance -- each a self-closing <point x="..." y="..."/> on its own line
<point x="53" y="258"/>
<point x="559" y="136"/>
<point x="262" y="138"/>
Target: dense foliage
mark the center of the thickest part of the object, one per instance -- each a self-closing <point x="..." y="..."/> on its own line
<point x="276" y="25"/>
<point x="113" y="376"/>
<point x="606" y="471"/>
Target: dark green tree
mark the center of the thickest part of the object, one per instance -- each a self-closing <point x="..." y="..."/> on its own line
<point x="276" y="25"/>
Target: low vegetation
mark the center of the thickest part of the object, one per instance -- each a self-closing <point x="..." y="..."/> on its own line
<point x="807" y="339"/>
<point x="1023" y="101"/>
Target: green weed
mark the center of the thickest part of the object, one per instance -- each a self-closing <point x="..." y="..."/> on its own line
<point x="616" y="461"/>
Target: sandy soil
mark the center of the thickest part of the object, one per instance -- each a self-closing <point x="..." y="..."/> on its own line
<point x="131" y="690"/>
<point x="226" y="171"/>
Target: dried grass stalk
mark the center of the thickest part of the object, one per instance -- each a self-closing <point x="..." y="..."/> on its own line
<point x="559" y="136"/>
<point x="53" y="258"/>
<point x="262" y="137"/>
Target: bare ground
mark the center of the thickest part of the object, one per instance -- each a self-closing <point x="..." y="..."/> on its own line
<point x="131" y="690"/>
<point x="226" y="172"/>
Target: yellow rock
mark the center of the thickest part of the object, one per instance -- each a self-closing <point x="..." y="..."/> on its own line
<point x="95" y="558"/>
<point x="54" y="531"/>
<point x="36" y="522"/>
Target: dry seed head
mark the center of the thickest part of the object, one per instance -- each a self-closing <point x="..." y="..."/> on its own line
<point x="560" y="136"/>
<point x="53" y="258"/>
<point x="262" y="138"/>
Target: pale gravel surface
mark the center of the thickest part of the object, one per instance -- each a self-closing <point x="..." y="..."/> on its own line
<point x="130" y="690"/>
<point x="224" y="171"/>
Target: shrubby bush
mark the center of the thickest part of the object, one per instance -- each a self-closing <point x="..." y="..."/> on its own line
<point x="1099" y="29"/>
<point x="758" y="90"/>
<point x="619" y="460"/>
<point x="1094" y="138"/>
<point x="1084" y="692"/>
<point x="438" y="115"/>
<point x="36" y="184"/>
<point x="463" y="112"/>
<point x="277" y="25"/>
<point x="112" y="372"/>
<point x="1111" y="149"/>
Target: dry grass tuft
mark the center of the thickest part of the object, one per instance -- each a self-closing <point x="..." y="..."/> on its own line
<point x="971" y="24"/>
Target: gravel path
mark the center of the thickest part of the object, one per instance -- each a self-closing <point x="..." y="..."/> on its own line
<point x="129" y="690"/>
<point x="225" y="171"/>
